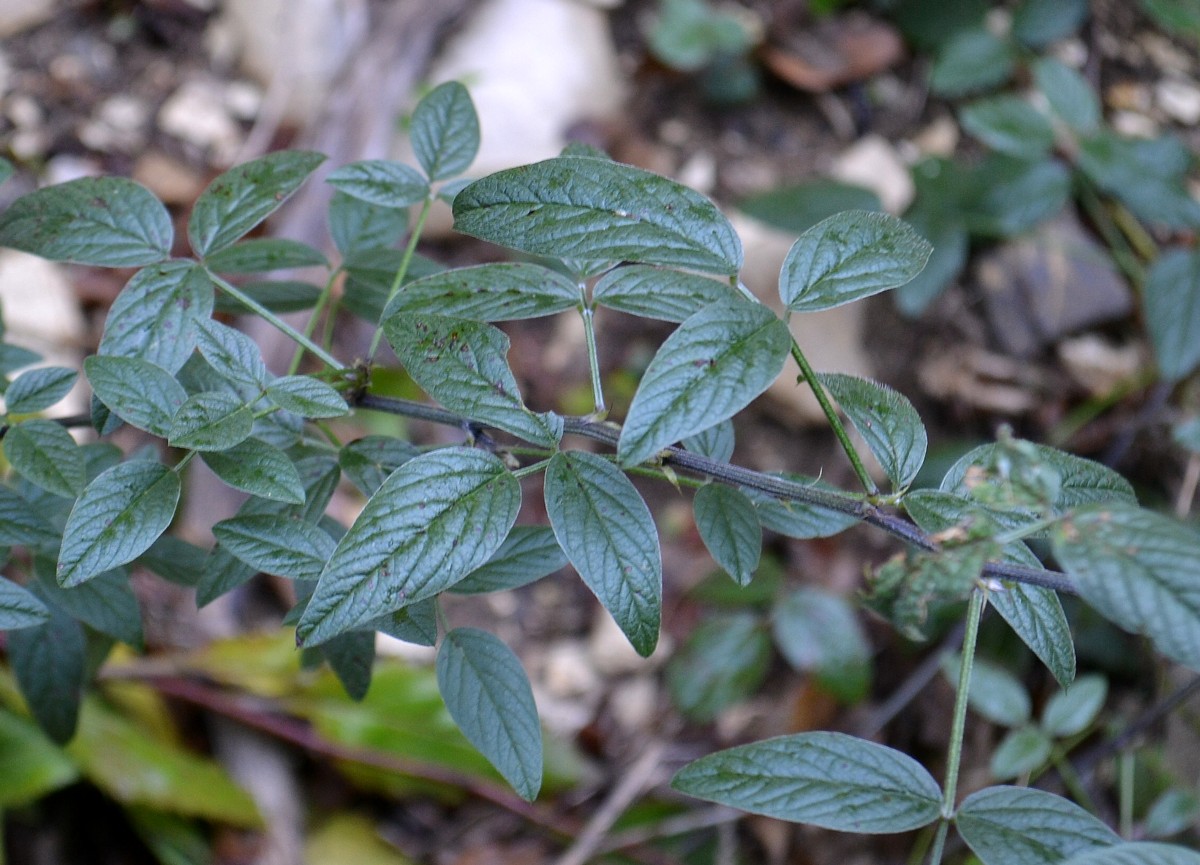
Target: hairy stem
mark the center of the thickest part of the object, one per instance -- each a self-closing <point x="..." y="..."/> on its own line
<point x="589" y="333"/>
<point x="781" y="488"/>
<point x="402" y="271"/>
<point x="274" y="320"/>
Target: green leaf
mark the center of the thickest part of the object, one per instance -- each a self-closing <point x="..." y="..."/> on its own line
<point x="1138" y="569"/>
<point x="116" y="519"/>
<point x="850" y="256"/>
<point x="244" y="196"/>
<point x="276" y="295"/>
<point x="489" y="292"/>
<point x="410" y="541"/>
<point x="830" y="780"/>
<point x="255" y="467"/>
<point x="1073" y="710"/>
<point x="887" y="422"/>
<point x="527" y="554"/>
<point x="1187" y="434"/>
<point x="106" y="603"/>
<point x="1009" y="124"/>
<point x="950" y="241"/>
<point x="380" y="182"/>
<point x="103" y="221"/>
<point x="140" y="392"/>
<point x="30" y="765"/>
<point x="1136" y="853"/>
<point x="716" y="442"/>
<point x="6" y="170"/>
<point x="818" y="632"/>
<point x="729" y="527"/>
<point x="1021" y="752"/>
<point x="1173" y="812"/>
<point x="175" y="560"/>
<point x="709" y="369"/>
<point x="223" y="572"/>
<point x="596" y="210"/>
<point x="1179" y="17"/>
<point x="723" y="662"/>
<point x="1004" y="196"/>
<point x="796" y="209"/>
<point x="370" y="274"/>
<point x="994" y="692"/>
<point x="307" y="397"/>
<point x="369" y="460"/>
<point x="445" y="131"/>
<point x="48" y="662"/>
<point x="133" y="767"/>
<point x="1171" y="305"/>
<point x="463" y="365"/>
<point x="1147" y="175"/>
<point x="490" y="700"/>
<point x="351" y="656"/>
<point x="607" y="532"/>
<point x="356" y="225"/>
<point x="276" y="545"/>
<point x="155" y="315"/>
<point x="1036" y="616"/>
<point x="22" y="525"/>
<point x="797" y="519"/>
<point x="1022" y="826"/>
<point x="970" y="61"/>
<point x="43" y="452"/>
<point x="14" y="357"/>
<point x="1070" y="95"/>
<point x="657" y="292"/>
<point x="20" y="608"/>
<point x="417" y="623"/>
<point x="262" y="254"/>
<point x="38" y="388"/>
<point x="1038" y="23"/>
<point x="211" y="421"/>
<point x="234" y="355"/>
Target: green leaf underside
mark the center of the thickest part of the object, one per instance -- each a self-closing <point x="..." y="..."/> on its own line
<point x="463" y="365"/>
<point x="489" y="698"/>
<point x="356" y="226"/>
<point x="211" y="421"/>
<point x="1070" y="95"/>
<point x="351" y="656"/>
<point x="972" y="60"/>
<point x="717" y="442"/>
<point x="116" y="519"/>
<point x="657" y="292"/>
<point x="849" y="256"/>
<point x="141" y="393"/>
<point x="607" y="532"/>
<point x="106" y="603"/>
<point x="380" y="182"/>
<point x="433" y="521"/>
<point x="38" y="389"/>
<point x="1020" y="752"/>
<point x="1037" y="617"/>
<point x="49" y="664"/>
<point x="1071" y="711"/>
<point x="1136" y="853"/>
<point x="20" y="608"/>
<point x="825" y="779"/>
<point x="233" y="354"/>
<point x="286" y="295"/>
<point x="596" y="210"/>
<point x="369" y="460"/>
<point x="1023" y="826"/>
<point x="1171" y="301"/>
<point x="887" y="422"/>
<point x="262" y="254"/>
<point x="223" y="572"/>
<point x="527" y="554"/>
<point x="709" y="369"/>
<point x="797" y="519"/>
<point x="1010" y="125"/>
<point x="1139" y="569"/>
<point x="445" y="131"/>
<point x="723" y="662"/>
<point x="818" y="632"/>
<point x="255" y="467"/>
<point x="103" y="221"/>
<point x="276" y="545"/>
<point x="488" y="292"/>
<point x="244" y="196"/>
<point x="730" y="530"/>
<point x="307" y="397"/>
<point x="22" y="525"/>
<point x="994" y="692"/>
<point x="44" y="453"/>
<point x="155" y="315"/>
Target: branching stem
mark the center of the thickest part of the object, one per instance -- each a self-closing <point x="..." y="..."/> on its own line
<point x="402" y="271"/>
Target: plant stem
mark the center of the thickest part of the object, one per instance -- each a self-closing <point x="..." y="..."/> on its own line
<point x="589" y="333"/>
<point x="533" y="469"/>
<point x="1125" y="767"/>
<point x="275" y="321"/>
<point x="781" y="488"/>
<point x="402" y="271"/>
<point x="311" y="327"/>
<point x="939" y="842"/>
<point x="835" y="422"/>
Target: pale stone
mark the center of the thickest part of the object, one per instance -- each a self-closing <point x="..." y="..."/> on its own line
<point x="874" y="163"/>
<point x="939" y="138"/>
<point x="1134" y="124"/>
<point x="611" y="653"/>
<point x="1179" y="100"/>
<point x="1099" y="366"/>
<point x="67" y="166"/>
<point x="18" y="15"/>
<point x="119" y="124"/>
<point x="196" y="113"/>
<point x="699" y="172"/>
<point x="634" y="703"/>
<point x="567" y="670"/>
<point x="172" y="181"/>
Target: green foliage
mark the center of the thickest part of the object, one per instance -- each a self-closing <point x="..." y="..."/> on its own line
<point x="77" y="519"/>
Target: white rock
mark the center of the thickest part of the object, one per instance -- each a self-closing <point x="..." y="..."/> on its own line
<point x="119" y="124"/>
<point x="1134" y="124"/>
<point x="832" y="340"/>
<point x="939" y="138"/>
<point x="1098" y="365"/>
<point x="18" y="15"/>
<point x="24" y="112"/>
<point x="567" y="670"/>
<point x="1179" y="99"/>
<point x="66" y="166"/>
<point x="873" y="162"/>
<point x="388" y="646"/>
<point x="196" y="113"/>
<point x="297" y="45"/>
<point x="634" y="703"/>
